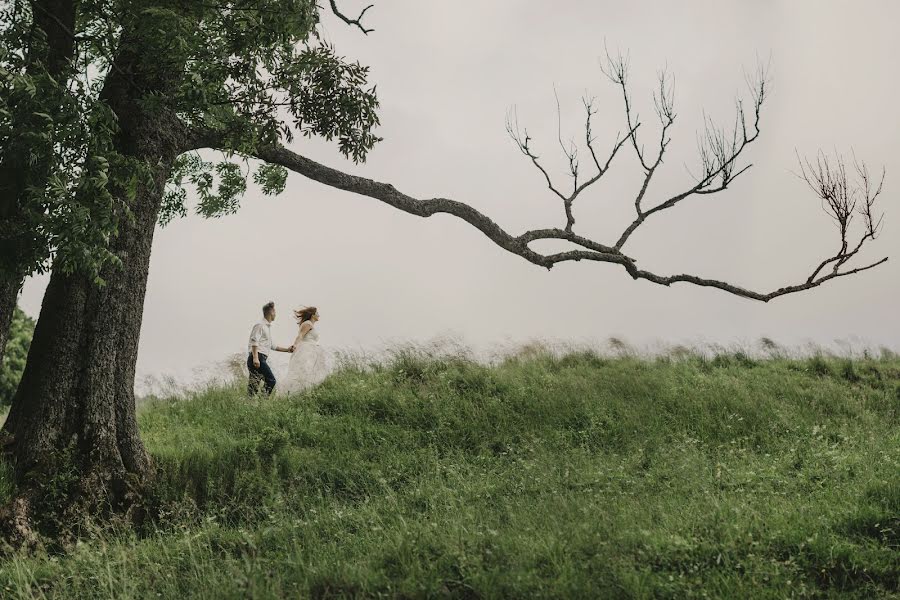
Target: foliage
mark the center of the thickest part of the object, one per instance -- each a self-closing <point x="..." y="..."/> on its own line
<point x="246" y="70"/>
<point x="53" y="134"/>
<point x="573" y="476"/>
<point x="20" y="332"/>
<point x="249" y="73"/>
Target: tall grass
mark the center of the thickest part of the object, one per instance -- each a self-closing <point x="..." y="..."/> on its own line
<point x="575" y="475"/>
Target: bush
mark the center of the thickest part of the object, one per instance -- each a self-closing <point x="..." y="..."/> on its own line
<point x="20" y="332"/>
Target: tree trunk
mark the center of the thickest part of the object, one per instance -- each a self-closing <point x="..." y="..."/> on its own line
<point x="74" y="411"/>
<point x="73" y="416"/>
<point x="77" y="391"/>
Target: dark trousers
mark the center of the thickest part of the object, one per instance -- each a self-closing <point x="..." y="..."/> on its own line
<point x="260" y="375"/>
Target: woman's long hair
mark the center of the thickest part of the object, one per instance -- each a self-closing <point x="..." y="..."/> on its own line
<point x="304" y="314"/>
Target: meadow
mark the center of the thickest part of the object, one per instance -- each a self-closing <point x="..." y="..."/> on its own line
<point x="542" y="476"/>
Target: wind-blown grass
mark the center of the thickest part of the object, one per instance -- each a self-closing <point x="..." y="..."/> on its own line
<point x="543" y="476"/>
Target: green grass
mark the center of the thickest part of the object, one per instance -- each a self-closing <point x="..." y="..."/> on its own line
<point x="579" y="476"/>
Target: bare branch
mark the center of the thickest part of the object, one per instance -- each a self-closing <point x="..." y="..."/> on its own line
<point x="522" y="140"/>
<point x="873" y="224"/>
<point x="352" y="22"/>
<point x="601" y="170"/>
<point x="719" y="151"/>
<point x="745" y="293"/>
<point x="616" y="70"/>
<point x="560" y="234"/>
<point x="827" y="178"/>
<point x="388" y="194"/>
<point x="571" y="152"/>
<point x="829" y="182"/>
<point x="664" y="100"/>
<point x="588" y="138"/>
<point x="517" y="245"/>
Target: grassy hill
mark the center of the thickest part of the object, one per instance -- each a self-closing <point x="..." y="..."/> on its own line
<point x="578" y="476"/>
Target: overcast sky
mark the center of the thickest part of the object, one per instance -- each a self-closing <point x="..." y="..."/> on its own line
<point x="447" y="73"/>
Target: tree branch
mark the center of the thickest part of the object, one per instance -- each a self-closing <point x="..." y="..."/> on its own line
<point x="522" y="140"/>
<point x="839" y="196"/>
<point x="352" y="22"/>
<point x="518" y="245"/>
<point x="561" y="234"/>
<point x="739" y="291"/>
<point x="719" y="152"/>
<point x="601" y="170"/>
<point x="616" y="70"/>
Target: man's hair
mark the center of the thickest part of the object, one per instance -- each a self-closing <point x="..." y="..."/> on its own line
<point x="267" y="308"/>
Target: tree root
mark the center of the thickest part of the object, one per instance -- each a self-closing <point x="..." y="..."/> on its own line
<point x="53" y="512"/>
<point x="17" y="532"/>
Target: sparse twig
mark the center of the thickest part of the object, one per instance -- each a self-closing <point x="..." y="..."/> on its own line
<point x="357" y="22"/>
<point x="828" y="179"/>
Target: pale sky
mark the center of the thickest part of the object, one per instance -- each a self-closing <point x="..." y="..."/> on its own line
<point x="447" y="73"/>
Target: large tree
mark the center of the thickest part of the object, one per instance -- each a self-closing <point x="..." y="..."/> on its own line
<point x="242" y="77"/>
<point x="254" y="72"/>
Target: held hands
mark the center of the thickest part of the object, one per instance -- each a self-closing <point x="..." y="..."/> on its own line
<point x="291" y="348"/>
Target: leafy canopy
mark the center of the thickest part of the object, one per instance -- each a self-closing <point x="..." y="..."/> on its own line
<point x="252" y="73"/>
<point x="50" y="130"/>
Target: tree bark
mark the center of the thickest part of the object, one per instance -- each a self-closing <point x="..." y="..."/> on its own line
<point x="74" y="411"/>
<point x="75" y="406"/>
<point x="77" y="391"/>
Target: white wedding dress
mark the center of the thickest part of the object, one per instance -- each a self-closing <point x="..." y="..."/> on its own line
<point x="307" y="367"/>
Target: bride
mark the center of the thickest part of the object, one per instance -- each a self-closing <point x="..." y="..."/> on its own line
<point x="307" y="366"/>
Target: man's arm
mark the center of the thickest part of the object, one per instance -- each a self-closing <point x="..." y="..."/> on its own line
<point x="255" y="334"/>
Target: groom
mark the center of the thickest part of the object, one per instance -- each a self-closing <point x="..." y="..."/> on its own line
<point x="259" y="347"/>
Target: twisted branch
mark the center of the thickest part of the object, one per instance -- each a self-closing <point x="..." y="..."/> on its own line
<point x="719" y="152"/>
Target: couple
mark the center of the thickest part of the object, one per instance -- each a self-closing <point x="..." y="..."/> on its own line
<point x="307" y="366"/>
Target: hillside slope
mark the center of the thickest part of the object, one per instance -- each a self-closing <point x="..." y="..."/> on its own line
<point x="543" y="477"/>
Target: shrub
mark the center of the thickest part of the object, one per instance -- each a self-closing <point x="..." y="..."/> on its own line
<point x="20" y="333"/>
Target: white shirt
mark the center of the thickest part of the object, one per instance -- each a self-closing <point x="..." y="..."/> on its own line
<point x="261" y="337"/>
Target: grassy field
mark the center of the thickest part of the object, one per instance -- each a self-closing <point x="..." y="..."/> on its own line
<point x="564" y="477"/>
